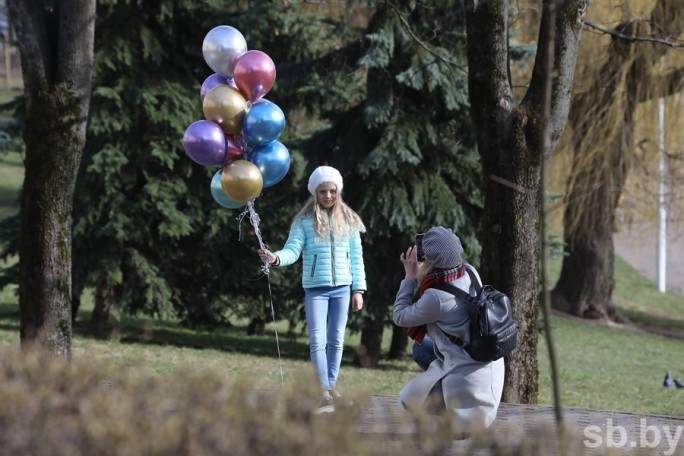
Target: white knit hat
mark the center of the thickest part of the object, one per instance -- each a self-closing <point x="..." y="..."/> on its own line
<point x="442" y="248"/>
<point x="324" y="174"/>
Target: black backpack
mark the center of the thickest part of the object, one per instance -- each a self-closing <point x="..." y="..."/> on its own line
<point x="493" y="331"/>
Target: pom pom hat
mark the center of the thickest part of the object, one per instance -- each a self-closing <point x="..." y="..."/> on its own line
<point x="324" y="174"/>
<point x="442" y="248"/>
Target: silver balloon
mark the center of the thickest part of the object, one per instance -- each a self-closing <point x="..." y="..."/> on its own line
<point x="221" y="48"/>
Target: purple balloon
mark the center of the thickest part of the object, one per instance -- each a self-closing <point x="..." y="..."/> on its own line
<point x="211" y="82"/>
<point x="205" y="143"/>
<point x="254" y="74"/>
<point x="273" y="160"/>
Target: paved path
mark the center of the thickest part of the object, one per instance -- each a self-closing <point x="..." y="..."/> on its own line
<point x="529" y="430"/>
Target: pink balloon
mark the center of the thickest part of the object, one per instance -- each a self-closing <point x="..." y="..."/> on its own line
<point x="235" y="149"/>
<point x="254" y="74"/>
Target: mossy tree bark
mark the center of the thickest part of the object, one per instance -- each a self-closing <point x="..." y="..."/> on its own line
<point x="509" y="136"/>
<point x="56" y="50"/>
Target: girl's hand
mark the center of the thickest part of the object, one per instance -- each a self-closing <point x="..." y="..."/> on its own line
<point x="267" y="256"/>
<point x="410" y="262"/>
<point x="357" y="302"/>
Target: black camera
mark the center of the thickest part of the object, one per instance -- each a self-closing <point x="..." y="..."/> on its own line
<point x="420" y="256"/>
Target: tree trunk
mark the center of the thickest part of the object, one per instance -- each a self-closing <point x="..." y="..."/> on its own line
<point x="587" y="277"/>
<point x="256" y="327"/>
<point x="398" y="344"/>
<point x="586" y="282"/>
<point x="510" y="254"/>
<point x="368" y="352"/>
<point x="510" y="142"/>
<point x="603" y="125"/>
<point x="56" y="49"/>
<point x="104" y="299"/>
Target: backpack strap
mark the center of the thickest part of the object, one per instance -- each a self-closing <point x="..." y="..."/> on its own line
<point x="474" y="280"/>
<point x="454" y="290"/>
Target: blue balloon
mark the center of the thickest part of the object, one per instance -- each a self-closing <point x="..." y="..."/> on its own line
<point x="273" y="160"/>
<point x="220" y="196"/>
<point x="264" y="122"/>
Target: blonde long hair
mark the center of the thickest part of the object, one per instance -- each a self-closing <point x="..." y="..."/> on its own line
<point x="343" y="220"/>
<point x="424" y="268"/>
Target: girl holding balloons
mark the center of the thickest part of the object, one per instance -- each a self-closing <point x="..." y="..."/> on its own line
<point x="326" y="234"/>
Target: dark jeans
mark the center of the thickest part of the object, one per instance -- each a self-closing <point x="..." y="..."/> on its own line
<point x="424" y="354"/>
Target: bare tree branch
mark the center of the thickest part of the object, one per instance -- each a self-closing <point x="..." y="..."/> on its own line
<point x="403" y="20"/>
<point x="633" y="39"/>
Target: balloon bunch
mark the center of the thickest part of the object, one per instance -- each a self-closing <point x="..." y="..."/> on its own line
<point x="240" y="129"/>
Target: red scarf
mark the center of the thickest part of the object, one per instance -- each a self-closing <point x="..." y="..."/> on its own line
<point x="436" y="276"/>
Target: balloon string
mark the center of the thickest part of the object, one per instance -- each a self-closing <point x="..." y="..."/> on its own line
<point x="265" y="268"/>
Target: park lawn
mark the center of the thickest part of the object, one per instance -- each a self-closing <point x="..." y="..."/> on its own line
<point x="601" y="367"/>
<point x="11" y="178"/>
<point x="616" y="367"/>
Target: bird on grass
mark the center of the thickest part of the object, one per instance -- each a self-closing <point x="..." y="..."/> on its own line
<point x="670" y="382"/>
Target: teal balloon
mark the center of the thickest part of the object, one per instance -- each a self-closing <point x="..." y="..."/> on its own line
<point x="220" y="196"/>
<point x="273" y="160"/>
<point x="264" y="122"/>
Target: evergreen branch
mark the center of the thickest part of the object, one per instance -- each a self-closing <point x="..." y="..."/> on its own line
<point x="420" y="42"/>
<point x="634" y="39"/>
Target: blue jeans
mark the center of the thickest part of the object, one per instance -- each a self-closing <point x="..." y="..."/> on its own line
<point x="424" y="354"/>
<point x="327" y="310"/>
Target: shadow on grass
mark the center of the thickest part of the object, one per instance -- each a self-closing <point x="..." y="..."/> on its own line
<point x="227" y="338"/>
<point x="230" y="339"/>
<point x="656" y="324"/>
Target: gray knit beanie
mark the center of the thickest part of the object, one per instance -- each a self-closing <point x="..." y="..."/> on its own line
<point x="442" y="248"/>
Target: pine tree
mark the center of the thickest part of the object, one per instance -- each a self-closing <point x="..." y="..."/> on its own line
<point x="404" y="145"/>
<point x="148" y="235"/>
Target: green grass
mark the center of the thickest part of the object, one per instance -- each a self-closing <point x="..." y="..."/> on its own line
<point x="8" y="95"/>
<point x="11" y="163"/>
<point x="11" y="178"/>
<point x="619" y="367"/>
<point x="601" y="367"/>
<point x="163" y="348"/>
<point x="611" y="368"/>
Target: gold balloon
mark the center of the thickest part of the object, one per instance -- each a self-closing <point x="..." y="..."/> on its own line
<point x="225" y="106"/>
<point x="242" y="181"/>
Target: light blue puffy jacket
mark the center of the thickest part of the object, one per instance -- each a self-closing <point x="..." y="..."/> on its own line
<point x="328" y="262"/>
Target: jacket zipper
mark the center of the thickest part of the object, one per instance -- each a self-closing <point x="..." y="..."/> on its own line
<point x="332" y="249"/>
<point x="313" y="266"/>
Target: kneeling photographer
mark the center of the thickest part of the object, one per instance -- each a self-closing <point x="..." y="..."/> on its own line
<point x="453" y="382"/>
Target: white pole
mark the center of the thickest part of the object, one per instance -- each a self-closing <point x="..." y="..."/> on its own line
<point x="662" y="209"/>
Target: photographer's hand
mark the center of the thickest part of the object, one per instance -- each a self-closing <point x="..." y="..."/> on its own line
<point x="410" y="262"/>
